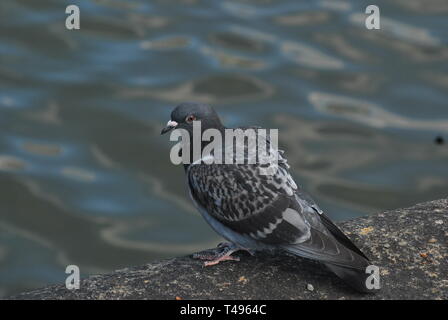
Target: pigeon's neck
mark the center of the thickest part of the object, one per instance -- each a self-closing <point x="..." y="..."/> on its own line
<point x="220" y="128"/>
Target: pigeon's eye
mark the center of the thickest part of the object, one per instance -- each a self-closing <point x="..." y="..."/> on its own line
<point x="190" y="118"/>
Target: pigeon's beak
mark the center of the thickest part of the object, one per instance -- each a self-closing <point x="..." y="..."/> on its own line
<point x="169" y="126"/>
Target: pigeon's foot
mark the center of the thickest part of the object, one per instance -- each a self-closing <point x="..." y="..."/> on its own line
<point x="221" y="253"/>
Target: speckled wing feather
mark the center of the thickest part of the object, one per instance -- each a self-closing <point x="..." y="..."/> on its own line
<point x="247" y="202"/>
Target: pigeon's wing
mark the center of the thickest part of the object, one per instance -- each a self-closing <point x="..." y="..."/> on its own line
<point x="306" y="201"/>
<point x="340" y="236"/>
<point x="249" y="203"/>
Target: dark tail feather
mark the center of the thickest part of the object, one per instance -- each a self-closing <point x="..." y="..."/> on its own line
<point x="355" y="278"/>
<point x="347" y="264"/>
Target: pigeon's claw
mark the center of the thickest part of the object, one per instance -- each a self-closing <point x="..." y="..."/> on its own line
<point x="225" y="257"/>
<point x="223" y="252"/>
<point x="228" y="244"/>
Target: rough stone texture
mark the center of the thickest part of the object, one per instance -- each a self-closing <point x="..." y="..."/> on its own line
<point x="409" y="245"/>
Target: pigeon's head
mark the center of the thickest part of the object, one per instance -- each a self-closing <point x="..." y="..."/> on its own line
<point x="185" y="113"/>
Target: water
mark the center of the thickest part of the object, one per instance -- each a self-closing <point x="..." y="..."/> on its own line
<point x="85" y="177"/>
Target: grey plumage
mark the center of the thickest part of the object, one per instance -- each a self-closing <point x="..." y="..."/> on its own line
<point x="258" y="211"/>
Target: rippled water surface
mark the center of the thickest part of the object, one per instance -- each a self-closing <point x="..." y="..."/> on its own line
<point x="85" y="177"/>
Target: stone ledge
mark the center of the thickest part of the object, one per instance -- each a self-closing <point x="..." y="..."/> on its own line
<point x="409" y="245"/>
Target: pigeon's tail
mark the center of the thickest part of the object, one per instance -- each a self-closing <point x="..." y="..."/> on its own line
<point x="355" y="278"/>
<point x="345" y="262"/>
<point x="353" y="273"/>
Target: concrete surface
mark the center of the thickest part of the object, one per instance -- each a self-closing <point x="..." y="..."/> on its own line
<point x="409" y="245"/>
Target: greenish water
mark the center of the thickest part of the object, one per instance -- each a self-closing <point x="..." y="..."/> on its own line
<point x="85" y="178"/>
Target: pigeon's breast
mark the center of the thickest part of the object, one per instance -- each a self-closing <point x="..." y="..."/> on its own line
<point x="242" y="240"/>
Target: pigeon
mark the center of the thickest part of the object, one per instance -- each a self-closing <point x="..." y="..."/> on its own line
<point x="256" y="212"/>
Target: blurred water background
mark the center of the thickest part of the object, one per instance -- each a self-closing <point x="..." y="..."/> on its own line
<point x="85" y="178"/>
